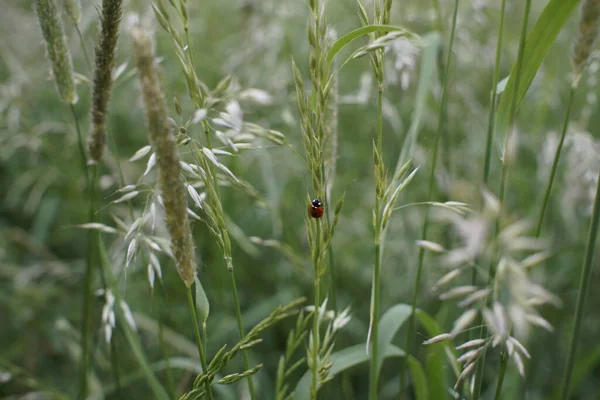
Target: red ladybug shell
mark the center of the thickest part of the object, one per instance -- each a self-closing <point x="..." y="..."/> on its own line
<point x="315" y="208"/>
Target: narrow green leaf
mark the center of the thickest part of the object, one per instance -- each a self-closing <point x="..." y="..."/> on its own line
<point x="419" y="380"/>
<point x="355" y="34"/>
<point x="537" y="45"/>
<point x="436" y="370"/>
<point x="343" y="360"/>
<point x="433" y="329"/>
<point x="389" y="324"/>
<point x="426" y="79"/>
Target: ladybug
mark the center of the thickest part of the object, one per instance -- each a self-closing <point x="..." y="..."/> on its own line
<point x="315" y="209"/>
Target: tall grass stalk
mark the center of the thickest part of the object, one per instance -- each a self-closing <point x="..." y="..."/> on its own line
<point x="493" y="99"/>
<point x="588" y="34"/>
<point x="110" y="18"/>
<point x="169" y="174"/>
<point x="62" y="68"/>
<point x="56" y="48"/>
<point x="581" y="294"/>
<point x="216" y="220"/>
<point x="506" y="156"/>
<point x="373" y="372"/>
<point x="561" y="141"/>
<point x="589" y="26"/>
<point x="381" y="16"/>
<point x="430" y="194"/>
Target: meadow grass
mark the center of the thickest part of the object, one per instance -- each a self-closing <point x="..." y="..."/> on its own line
<point x="210" y="194"/>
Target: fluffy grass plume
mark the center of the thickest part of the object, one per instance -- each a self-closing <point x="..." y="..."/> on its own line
<point x="110" y="17"/>
<point x="56" y="47"/>
<point x="163" y="143"/>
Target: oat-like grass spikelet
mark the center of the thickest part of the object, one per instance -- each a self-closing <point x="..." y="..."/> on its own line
<point x="110" y="17"/>
<point x="589" y="26"/>
<point x="163" y="143"/>
<point x="60" y="58"/>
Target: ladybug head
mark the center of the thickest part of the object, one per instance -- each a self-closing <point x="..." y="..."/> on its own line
<point x="316" y="203"/>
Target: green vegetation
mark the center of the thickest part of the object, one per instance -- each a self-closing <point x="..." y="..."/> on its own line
<point x="158" y="165"/>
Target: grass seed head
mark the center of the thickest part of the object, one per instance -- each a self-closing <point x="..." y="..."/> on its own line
<point x="56" y="47"/>
<point x="110" y="18"/>
<point x="169" y="168"/>
<point x="589" y="25"/>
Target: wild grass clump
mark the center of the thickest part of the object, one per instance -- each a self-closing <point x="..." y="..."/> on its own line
<point x="251" y="113"/>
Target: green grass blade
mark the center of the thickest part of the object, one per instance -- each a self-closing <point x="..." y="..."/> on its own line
<point x="343" y="360"/>
<point x="537" y="45"/>
<point x="389" y="324"/>
<point x="419" y="379"/>
<point x="433" y="329"/>
<point x="355" y="34"/>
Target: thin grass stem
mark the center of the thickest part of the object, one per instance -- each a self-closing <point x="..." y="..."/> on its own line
<point x="493" y="99"/>
<point x="240" y="324"/>
<point x="563" y="133"/>
<point x="374" y="370"/>
<point x="86" y="313"/>
<point x="501" y="193"/>
<point x="314" y="388"/>
<point x="421" y="255"/>
<point x="501" y="373"/>
<point x="581" y="294"/>
<point x="85" y="53"/>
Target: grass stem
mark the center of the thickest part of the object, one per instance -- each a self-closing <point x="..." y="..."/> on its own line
<point x="581" y="294"/>
<point x="240" y="324"/>
<point x="374" y="370"/>
<point x="314" y="388"/>
<point x="86" y="313"/>
<point x="565" y="126"/>
<point x="444" y="98"/>
<point x="493" y="99"/>
<point x="502" y="191"/>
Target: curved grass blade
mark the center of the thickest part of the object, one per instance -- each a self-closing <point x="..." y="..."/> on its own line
<point x="343" y="360"/>
<point x="537" y="45"/>
<point x="355" y="34"/>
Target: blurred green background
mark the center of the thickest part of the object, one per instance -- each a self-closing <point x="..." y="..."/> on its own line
<point x="43" y="192"/>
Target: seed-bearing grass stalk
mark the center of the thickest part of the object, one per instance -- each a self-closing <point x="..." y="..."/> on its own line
<point x="62" y="69"/>
<point x="214" y="212"/>
<point x="105" y="54"/>
<point x="56" y="48"/>
<point x="412" y="319"/>
<point x="382" y="17"/>
<point x="110" y="18"/>
<point x="169" y="174"/>
<point x="317" y="137"/>
<point x="506" y="156"/>
<point x="589" y="26"/>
